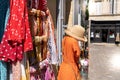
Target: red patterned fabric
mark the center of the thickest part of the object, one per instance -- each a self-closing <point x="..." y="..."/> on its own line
<point x="17" y="37"/>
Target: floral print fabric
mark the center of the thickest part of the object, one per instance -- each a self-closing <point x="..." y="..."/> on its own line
<point x="17" y="37"/>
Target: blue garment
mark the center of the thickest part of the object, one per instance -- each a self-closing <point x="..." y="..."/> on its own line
<point x="7" y="16"/>
<point x="4" y="14"/>
<point x="3" y="70"/>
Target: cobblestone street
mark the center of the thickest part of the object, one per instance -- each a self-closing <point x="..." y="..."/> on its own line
<point x="104" y="62"/>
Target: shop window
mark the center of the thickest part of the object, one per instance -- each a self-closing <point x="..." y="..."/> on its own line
<point x="111" y="34"/>
<point x="97" y="34"/>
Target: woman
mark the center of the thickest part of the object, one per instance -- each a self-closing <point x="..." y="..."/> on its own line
<point x="69" y="69"/>
<point x="117" y="39"/>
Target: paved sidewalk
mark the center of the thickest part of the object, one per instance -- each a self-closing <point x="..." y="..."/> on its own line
<point x="104" y="62"/>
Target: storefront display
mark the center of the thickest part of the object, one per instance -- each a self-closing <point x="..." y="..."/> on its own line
<point x="28" y="44"/>
<point x="104" y="31"/>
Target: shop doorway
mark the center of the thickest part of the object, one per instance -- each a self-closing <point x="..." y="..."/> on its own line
<point x="104" y="35"/>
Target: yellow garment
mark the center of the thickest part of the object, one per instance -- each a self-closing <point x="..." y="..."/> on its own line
<point x="69" y="67"/>
<point x="27" y="69"/>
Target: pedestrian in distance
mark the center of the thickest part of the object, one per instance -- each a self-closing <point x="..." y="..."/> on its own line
<point x="69" y="68"/>
<point x="117" y="41"/>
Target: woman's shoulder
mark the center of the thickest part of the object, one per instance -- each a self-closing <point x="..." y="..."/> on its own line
<point x="69" y="39"/>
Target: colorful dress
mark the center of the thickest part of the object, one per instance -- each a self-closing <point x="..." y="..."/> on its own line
<point x="69" y="67"/>
<point x="17" y="36"/>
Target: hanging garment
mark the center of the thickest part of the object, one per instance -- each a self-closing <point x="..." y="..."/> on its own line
<point x="44" y="40"/>
<point x="51" y="43"/>
<point x="16" y="70"/>
<point x="34" y="4"/>
<point x="46" y="69"/>
<point x="17" y="36"/>
<point x="39" y="30"/>
<point x="49" y="74"/>
<point x="34" y="73"/>
<point x="4" y="14"/>
<point x="10" y="71"/>
<point x="27" y="69"/>
<point x="3" y="70"/>
<point x="23" y="65"/>
<point x="42" y="5"/>
<point x="4" y="10"/>
<point x="7" y="15"/>
<point x="32" y="68"/>
<point x="23" y="73"/>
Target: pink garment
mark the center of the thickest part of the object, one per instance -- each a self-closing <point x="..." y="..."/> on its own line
<point x="32" y="73"/>
<point x="17" y="37"/>
<point x="16" y="70"/>
<point x="46" y="69"/>
<point x="49" y="74"/>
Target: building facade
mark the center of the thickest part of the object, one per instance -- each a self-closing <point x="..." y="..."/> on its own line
<point x="104" y="20"/>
